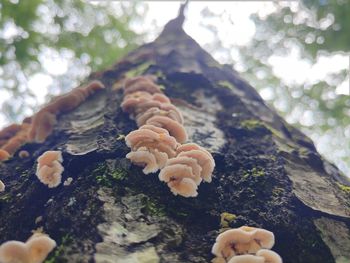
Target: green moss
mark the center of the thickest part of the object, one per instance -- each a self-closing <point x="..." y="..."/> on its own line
<point x="226" y="218"/>
<point x="54" y="256"/>
<point x="226" y="84"/>
<point x="256" y="172"/>
<point x="118" y="174"/>
<point x="139" y="69"/>
<point x="5" y="197"/>
<point x="277" y="191"/>
<point x="344" y="188"/>
<point x="107" y="177"/>
<point x="252" y="124"/>
<point x="152" y="207"/>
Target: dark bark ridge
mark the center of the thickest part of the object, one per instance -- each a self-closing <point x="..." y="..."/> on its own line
<point x="268" y="174"/>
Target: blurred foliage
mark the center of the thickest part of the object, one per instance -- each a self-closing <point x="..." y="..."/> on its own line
<point x="79" y="36"/>
<point x="313" y="29"/>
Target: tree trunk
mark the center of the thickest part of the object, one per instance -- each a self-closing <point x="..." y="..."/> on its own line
<point x="268" y="174"/>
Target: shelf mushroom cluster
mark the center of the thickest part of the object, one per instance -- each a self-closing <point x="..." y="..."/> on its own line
<point x="49" y="169"/>
<point x="38" y="127"/>
<point x="12" y="138"/>
<point x="246" y="245"/>
<point x="34" y="250"/>
<point x="45" y="119"/>
<point x="159" y="141"/>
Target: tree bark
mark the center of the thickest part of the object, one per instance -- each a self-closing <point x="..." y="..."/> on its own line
<point x="268" y="174"/>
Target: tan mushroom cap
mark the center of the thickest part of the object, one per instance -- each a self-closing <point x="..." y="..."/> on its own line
<point x="2" y="186"/>
<point x="35" y="250"/>
<point x="161" y="98"/>
<point x="145" y="105"/>
<point x="147" y="137"/>
<point x="185" y="187"/>
<point x="247" y="259"/>
<point x="14" y="252"/>
<point x="39" y="246"/>
<point x="192" y="146"/>
<point x="241" y="241"/>
<point x="175" y="129"/>
<point x="50" y="175"/>
<point x="144" y="158"/>
<point x="4" y="155"/>
<point x="204" y="161"/>
<point x="265" y="238"/>
<point x="49" y="169"/>
<point x="131" y="101"/>
<point x="196" y="169"/>
<point x="180" y="179"/>
<point x="154" y="128"/>
<point x="133" y="80"/>
<point x="269" y="256"/>
<point x="12" y="144"/>
<point x="140" y="83"/>
<point x="142" y="118"/>
<point x="42" y="126"/>
<point x="161" y="157"/>
<point x="48" y="157"/>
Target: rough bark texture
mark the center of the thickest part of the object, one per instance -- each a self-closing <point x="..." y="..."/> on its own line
<point x="268" y="174"/>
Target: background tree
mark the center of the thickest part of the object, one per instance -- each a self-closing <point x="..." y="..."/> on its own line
<point x="312" y="32"/>
<point x="33" y="34"/>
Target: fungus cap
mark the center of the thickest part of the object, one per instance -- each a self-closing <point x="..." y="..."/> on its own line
<point x="185" y="187"/>
<point x="140" y="83"/>
<point x="192" y="163"/>
<point x="48" y="157"/>
<point x="175" y="129"/>
<point x="144" y="158"/>
<point x="247" y="259"/>
<point x="4" y="155"/>
<point x="180" y="179"/>
<point x="203" y="160"/>
<point x="269" y="256"/>
<point x="49" y="169"/>
<point x="142" y="118"/>
<point x="149" y="138"/>
<point x="39" y="246"/>
<point x="242" y="240"/>
<point x="50" y="175"/>
<point x="14" y="252"/>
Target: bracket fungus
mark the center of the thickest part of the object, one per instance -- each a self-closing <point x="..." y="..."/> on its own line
<point x="151" y="147"/>
<point x="49" y="170"/>
<point x="4" y="155"/>
<point x="203" y="157"/>
<point x="157" y="143"/>
<point x="246" y="244"/>
<point x="34" y="250"/>
<point x="141" y="83"/>
<point x="186" y="171"/>
<point x="16" y="135"/>
<point x="44" y="120"/>
<point x="262" y="256"/>
<point x="175" y="128"/>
